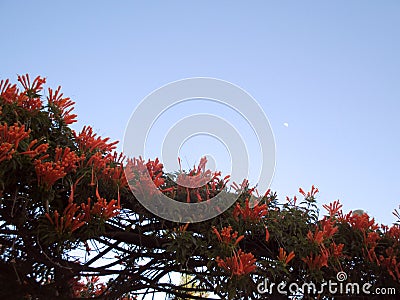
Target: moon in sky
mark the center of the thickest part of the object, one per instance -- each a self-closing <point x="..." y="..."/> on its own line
<point x="286" y="124"/>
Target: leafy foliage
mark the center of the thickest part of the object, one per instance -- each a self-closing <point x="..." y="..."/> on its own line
<point x="63" y="193"/>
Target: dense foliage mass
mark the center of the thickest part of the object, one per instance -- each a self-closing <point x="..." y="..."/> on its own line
<point x="71" y="228"/>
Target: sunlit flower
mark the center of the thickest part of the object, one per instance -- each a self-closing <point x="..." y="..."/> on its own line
<point x="8" y="92"/>
<point x="63" y="105"/>
<point x="312" y="193"/>
<point x="36" y="86"/>
<point x="89" y="141"/>
<point x="291" y="201"/>
<point x="333" y="208"/>
<point x="247" y="213"/>
<point x="105" y="210"/>
<point x="30" y="97"/>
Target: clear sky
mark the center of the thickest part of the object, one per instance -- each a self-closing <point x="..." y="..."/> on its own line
<point x="330" y="69"/>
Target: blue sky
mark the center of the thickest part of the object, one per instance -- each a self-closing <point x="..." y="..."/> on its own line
<point x="330" y="69"/>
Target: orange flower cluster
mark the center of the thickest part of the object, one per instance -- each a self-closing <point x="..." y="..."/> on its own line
<point x="34" y="149"/>
<point x="361" y="222"/>
<point x="101" y="209"/>
<point x="252" y="214"/>
<point x="317" y="261"/>
<point x="333" y="208"/>
<point x="8" y="92"/>
<point x="114" y="168"/>
<point x="227" y="237"/>
<point x="10" y="137"/>
<point x="6" y="151"/>
<point x="240" y="188"/>
<point x="319" y="236"/>
<point x="336" y="250"/>
<point x="155" y="171"/>
<point x="145" y="178"/>
<point x="63" y="105"/>
<point x="67" y="159"/>
<point x="368" y="229"/>
<point x="291" y="201"/>
<point x="370" y="243"/>
<point x="89" y="141"/>
<point x="239" y="264"/>
<point x="105" y="210"/>
<point x="88" y="289"/>
<point x="50" y="171"/>
<point x="36" y="85"/>
<point x="394" y="232"/>
<point x="75" y="216"/>
<point x="148" y="178"/>
<point x="200" y="178"/>
<point x="105" y="164"/>
<point x="69" y="221"/>
<point x="197" y="177"/>
<point x="30" y="98"/>
<point x="284" y="257"/>
<point x="391" y="263"/>
<point x="312" y="193"/>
